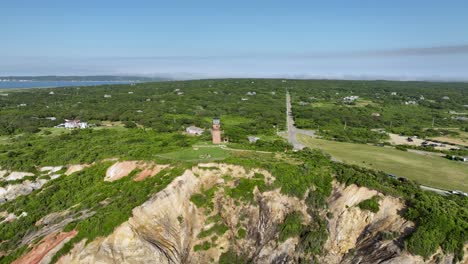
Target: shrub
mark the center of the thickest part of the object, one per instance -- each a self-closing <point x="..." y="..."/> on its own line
<point x="371" y="204"/>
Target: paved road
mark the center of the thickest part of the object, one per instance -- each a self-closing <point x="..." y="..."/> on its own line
<point x="292" y="130"/>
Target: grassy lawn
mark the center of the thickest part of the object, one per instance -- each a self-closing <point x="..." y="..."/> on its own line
<point x="198" y="154"/>
<point x="428" y="170"/>
<point x="362" y="103"/>
<point x="54" y="131"/>
<point x="230" y="120"/>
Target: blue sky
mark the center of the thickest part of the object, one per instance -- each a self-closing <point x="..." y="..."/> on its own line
<point x="335" y="39"/>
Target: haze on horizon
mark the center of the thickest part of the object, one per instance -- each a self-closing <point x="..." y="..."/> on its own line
<point x="298" y="39"/>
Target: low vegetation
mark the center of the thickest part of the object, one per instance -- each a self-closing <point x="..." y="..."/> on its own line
<point x="151" y="121"/>
<point x="371" y="204"/>
<point x="84" y="192"/>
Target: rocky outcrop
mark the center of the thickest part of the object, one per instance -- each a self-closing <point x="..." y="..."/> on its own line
<point x="46" y="248"/>
<point x="15" y="189"/>
<point x="153" y="234"/>
<point x="121" y="169"/>
<point x="76" y="168"/>
<point x="361" y="236"/>
<point x="166" y="228"/>
<point x="12" y="191"/>
<point x="169" y="226"/>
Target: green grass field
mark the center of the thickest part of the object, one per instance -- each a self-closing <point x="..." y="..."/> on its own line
<point x="198" y="154"/>
<point x="427" y="170"/>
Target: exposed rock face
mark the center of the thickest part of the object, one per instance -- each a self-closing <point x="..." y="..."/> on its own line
<point x="167" y="227"/>
<point x="50" y="169"/>
<point x="16" y="175"/>
<point x="75" y="168"/>
<point x="123" y="168"/>
<point x="358" y="236"/>
<point x="47" y="247"/>
<point x="153" y="234"/>
<point x="10" y="192"/>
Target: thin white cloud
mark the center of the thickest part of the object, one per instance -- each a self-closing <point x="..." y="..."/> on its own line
<point x="432" y="63"/>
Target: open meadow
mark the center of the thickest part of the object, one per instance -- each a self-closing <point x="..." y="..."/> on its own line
<point x="427" y="170"/>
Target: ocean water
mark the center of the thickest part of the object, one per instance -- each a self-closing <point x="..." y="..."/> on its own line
<point x="47" y="84"/>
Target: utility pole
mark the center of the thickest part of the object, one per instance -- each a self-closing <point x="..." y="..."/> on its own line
<point x="433" y="122"/>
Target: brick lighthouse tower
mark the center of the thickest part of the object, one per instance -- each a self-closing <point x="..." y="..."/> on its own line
<point x="216" y="131"/>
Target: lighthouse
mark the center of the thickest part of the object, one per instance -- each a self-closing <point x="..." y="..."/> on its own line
<point x="216" y="131"/>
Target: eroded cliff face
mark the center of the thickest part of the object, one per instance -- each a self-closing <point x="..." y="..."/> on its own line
<point x="166" y="228"/>
<point x="360" y="236"/>
<point x="170" y="228"/>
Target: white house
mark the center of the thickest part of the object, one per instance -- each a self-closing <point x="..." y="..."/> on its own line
<point x="193" y="130"/>
<point x="75" y="123"/>
<point x="252" y="139"/>
<point x="350" y="99"/>
<point x="393" y="93"/>
<point x="107" y="96"/>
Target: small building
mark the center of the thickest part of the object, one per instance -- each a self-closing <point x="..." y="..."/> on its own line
<point x="393" y="93"/>
<point x="251" y="93"/>
<point x="376" y="114"/>
<point x="107" y="96"/>
<point x="253" y="139"/>
<point x="411" y="103"/>
<point x="350" y="99"/>
<point x="421" y="97"/>
<point x="180" y="93"/>
<point x="130" y="92"/>
<point x="244" y="99"/>
<point x="75" y="123"/>
<point x="22" y="105"/>
<point x="193" y="130"/>
<point x="51" y="93"/>
<point x="51" y="118"/>
<point x="445" y="98"/>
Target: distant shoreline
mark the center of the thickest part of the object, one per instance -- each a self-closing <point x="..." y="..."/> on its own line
<point x="9" y="85"/>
